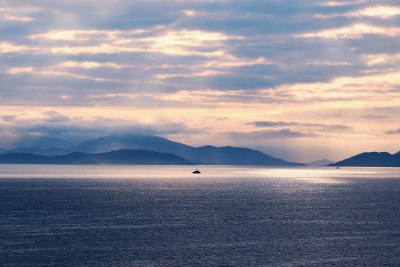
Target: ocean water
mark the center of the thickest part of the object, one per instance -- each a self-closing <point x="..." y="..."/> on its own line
<point x="227" y="216"/>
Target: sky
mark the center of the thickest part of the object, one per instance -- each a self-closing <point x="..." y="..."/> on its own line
<point x="300" y="80"/>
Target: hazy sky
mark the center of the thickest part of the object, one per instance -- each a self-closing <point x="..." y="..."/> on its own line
<point x="299" y="80"/>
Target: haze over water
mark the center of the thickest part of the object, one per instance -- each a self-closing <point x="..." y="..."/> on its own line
<point x="227" y="216"/>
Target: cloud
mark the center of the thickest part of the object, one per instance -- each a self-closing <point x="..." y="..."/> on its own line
<point x="311" y="125"/>
<point x="8" y="118"/>
<point x="381" y="59"/>
<point x="354" y="31"/>
<point x="299" y="62"/>
<point x="127" y="47"/>
<point x="55" y="117"/>
<point x="395" y="131"/>
<point x="53" y="124"/>
<point x="341" y="3"/>
<point x="378" y="11"/>
<point x="19" y="19"/>
<point x="282" y="133"/>
<point x="382" y="12"/>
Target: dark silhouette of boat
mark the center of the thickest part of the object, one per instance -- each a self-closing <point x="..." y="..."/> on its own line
<point x="196" y="171"/>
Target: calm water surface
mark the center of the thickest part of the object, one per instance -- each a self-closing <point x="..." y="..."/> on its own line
<point x="227" y="216"/>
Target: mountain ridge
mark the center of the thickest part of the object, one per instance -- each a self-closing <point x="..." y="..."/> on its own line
<point x="203" y="155"/>
<point x="371" y="159"/>
<point x="118" y="157"/>
<point x="321" y="162"/>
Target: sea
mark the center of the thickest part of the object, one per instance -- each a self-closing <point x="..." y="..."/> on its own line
<point x="70" y="215"/>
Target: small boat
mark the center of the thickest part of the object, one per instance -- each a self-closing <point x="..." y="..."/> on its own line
<point x="196" y="171"/>
<point x="337" y="167"/>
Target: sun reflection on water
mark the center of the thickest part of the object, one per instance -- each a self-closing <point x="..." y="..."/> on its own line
<point x="324" y="175"/>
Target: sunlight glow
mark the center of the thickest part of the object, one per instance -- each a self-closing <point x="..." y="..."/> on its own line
<point x="382" y="12"/>
<point x="189" y="13"/>
<point x="381" y="59"/>
<point x="89" y="65"/>
<point x="183" y="42"/>
<point x="18" y="19"/>
<point x="379" y="11"/>
<point x="20" y="70"/>
<point x="355" y="31"/>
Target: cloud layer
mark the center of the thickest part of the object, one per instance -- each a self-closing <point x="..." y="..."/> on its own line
<point x="317" y="71"/>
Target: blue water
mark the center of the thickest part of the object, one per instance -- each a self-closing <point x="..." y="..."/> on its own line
<point x="164" y="216"/>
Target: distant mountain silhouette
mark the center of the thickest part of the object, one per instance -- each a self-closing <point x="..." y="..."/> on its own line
<point x="115" y="142"/>
<point x="322" y="162"/>
<point x="209" y="155"/>
<point x="128" y="157"/>
<point x="371" y="159"/>
<point x="39" y="151"/>
<point x="43" y="142"/>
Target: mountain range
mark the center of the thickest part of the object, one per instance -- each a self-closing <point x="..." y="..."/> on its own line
<point x="205" y="155"/>
<point x="39" y="151"/>
<point x="371" y="159"/>
<point x="128" y="157"/>
<point x="322" y="162"/>
<point x="145" y="149"/>
<point x="209" y="155"/>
